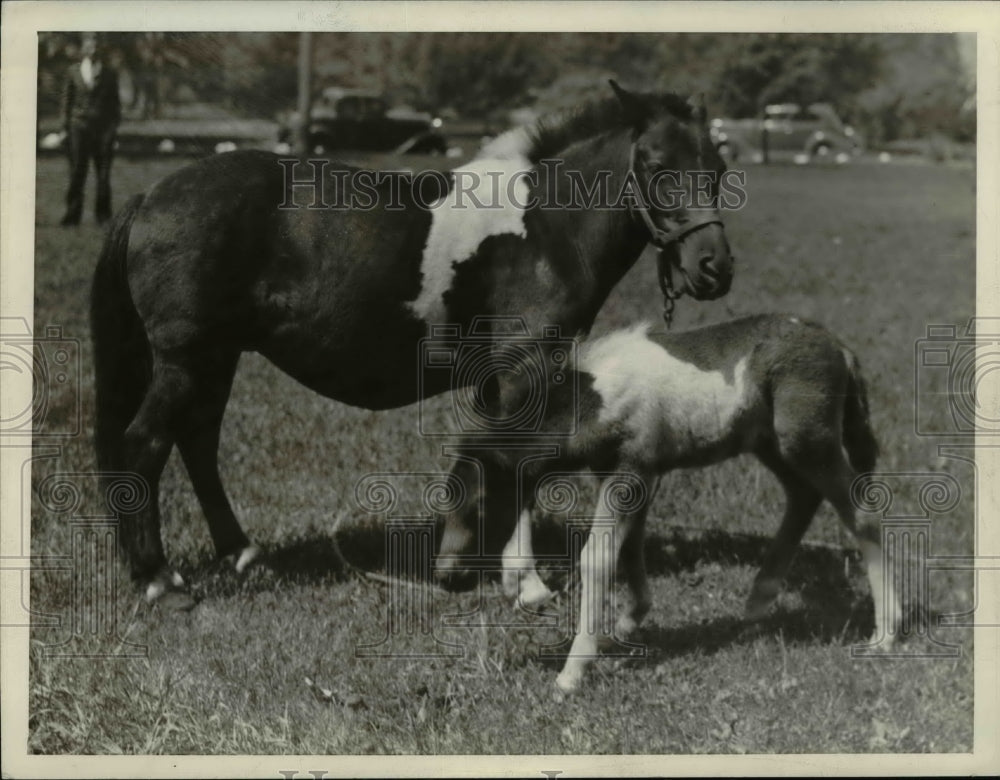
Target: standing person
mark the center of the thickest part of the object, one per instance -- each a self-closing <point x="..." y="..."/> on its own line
<point x="91" y="112"/>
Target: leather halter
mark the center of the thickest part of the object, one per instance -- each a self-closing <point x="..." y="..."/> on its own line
<point x="661" y="239"/>
<point x="678" y="230"/>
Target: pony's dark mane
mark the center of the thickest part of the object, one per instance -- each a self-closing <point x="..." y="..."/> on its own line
<point x="552" y="134"/>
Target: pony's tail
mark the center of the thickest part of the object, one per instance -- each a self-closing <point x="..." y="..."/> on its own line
<point x="122" y="358"/>
<point x="859" y="439"/>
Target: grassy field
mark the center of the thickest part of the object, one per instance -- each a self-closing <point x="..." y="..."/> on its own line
<point x="875" y="252"/>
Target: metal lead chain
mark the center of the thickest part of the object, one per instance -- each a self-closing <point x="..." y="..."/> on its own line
<point x="668" y="310"/>
<point x="670" y="295"/>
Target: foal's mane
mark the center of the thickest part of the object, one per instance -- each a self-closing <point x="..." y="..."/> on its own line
<point x="551" y="134"/>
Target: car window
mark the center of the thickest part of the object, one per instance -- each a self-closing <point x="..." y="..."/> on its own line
<point x="360" y="108"/>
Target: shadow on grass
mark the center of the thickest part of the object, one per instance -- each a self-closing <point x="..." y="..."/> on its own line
<point x="833" y="604"/>
<point x="309" y="560"/>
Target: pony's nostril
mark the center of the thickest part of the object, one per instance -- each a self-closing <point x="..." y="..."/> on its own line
<point x="707" y="268"/>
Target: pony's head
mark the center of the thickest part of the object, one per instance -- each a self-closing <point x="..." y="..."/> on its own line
<point x="678" y="173"/>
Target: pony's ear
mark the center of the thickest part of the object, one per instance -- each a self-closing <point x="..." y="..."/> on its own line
<point x="697" y="103"/>
<point x="633" y="107"/>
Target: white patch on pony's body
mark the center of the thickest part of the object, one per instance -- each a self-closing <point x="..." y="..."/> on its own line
<point x="671" y="408"/>
<point x="488" y="200"/>
<point x="510" y="145"/>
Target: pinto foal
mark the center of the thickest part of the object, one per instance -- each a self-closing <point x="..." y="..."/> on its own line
<point x="780" y="388"/>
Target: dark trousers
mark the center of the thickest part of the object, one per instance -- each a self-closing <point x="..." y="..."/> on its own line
<point x="88" y="142"/>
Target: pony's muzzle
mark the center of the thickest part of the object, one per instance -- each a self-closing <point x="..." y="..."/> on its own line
<point x="718" y="275"/>
<point x="712" y="274"/>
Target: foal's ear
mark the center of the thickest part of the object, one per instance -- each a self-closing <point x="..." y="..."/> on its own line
<point x="632" y="106"/>
<point x="698" y="112"/>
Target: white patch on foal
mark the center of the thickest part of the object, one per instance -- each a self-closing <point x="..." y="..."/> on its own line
<point x="488" y="199"/>
<point x="667" y="405"/>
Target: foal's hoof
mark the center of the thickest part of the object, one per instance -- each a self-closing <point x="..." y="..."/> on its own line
<point x="535" y="594"/>
<point x="246" y="557"/>
<point x="567" y="683"/>
<point x="509" y="581"/>
<point x="880" y="643"/>
<point x="167" y="590"/>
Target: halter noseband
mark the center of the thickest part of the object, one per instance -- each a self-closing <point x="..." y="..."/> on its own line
<point x="661" y="239"/>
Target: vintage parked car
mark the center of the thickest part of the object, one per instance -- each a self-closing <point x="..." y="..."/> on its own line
<point x="361" y="119"/>
<point x="813" y="131"/>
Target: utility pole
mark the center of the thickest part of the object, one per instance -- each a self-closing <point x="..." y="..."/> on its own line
<point x="305" y="91"/>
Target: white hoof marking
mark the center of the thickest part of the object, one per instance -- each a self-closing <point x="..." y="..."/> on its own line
<point x="567" y="683"/>
<point x="626" y="626"/>
<point x="247" y="556"/>
<point x="534" y="592"/>
<point x="154" y="590"/>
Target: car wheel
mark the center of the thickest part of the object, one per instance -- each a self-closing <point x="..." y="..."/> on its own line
<point x="822" y="149"/>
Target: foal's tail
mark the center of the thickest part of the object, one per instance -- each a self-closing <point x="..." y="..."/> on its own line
<point x="122" y="361"/>
<point x="859" y="439"/>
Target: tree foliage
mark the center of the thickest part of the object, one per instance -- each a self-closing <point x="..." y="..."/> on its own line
<point x="889" y="84"/>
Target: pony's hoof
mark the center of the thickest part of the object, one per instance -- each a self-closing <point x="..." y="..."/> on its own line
<point x="763" y="596"/>
<point x="246" y="557"/>
<point x="534" y="593"/>
<point x="455" y="579"/>
<point x="166" y="589"/>
<point x="626" y="626"/>
<point x="510" y="584"/>
<point x="880" y="642"/>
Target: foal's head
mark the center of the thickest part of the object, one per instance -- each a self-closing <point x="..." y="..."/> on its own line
<point x="679" y="172"/>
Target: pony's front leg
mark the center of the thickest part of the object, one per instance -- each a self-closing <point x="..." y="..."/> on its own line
<point x="520" y="578"/>
<point x="595" y="584"/>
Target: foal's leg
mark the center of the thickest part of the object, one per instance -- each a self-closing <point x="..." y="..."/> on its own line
<point x="198" y="442"/>
<point x="801" y="502"/>
<point x="822" y="463"/>
<point x="597" y="566"/>
<point x="633" y="561"/>
<point x="526" y="586"/>
<point x="836" y="486"/>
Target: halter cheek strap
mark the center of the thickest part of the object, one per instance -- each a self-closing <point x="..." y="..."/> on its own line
<point x="677" y="233"/>
<point x="664" y="238"/>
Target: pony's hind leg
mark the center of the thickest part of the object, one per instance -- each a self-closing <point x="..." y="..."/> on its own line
<point x="146" y="446"/>
<point x="801" y="502"/>
<point x="198" y="443"/>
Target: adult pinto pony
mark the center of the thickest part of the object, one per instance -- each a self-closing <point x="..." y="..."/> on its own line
<point x="212" y="262"/>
